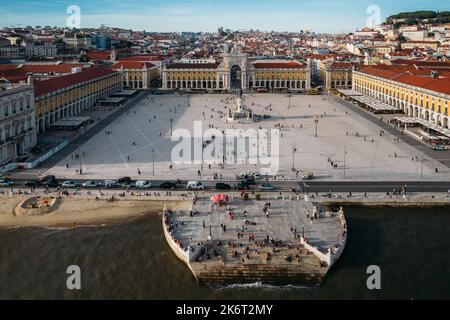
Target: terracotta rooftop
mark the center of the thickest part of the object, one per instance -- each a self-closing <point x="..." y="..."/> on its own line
<point x="99" y="55"/>
<point x="278" y="65"/>
<point x="341" y="65"/>
<point x="53" y="68"/>
<point x="132" y="65"/>
<point x="142" y="58"/>
<point x="180" y="65"/>
<point x="405" y="76"/>
<point x="46" y="86"/>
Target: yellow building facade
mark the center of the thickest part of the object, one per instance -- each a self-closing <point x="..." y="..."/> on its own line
<point x="67" y="96"/>
<point x="424" y="98"/>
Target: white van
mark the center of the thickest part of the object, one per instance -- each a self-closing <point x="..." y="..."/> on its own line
<point x="143" y="184"/>
<point x="195" y="185"/>
<point x="249" y="175"/>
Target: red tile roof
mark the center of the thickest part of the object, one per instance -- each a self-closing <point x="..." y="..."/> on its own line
<point x="44" y="87"/>
<point x="7" y="67"/>
<point x="143" y="57"/>
<point x="181" y="65"/>
<point x="59" y="68"/>
<point x="279" y="65"/>
<point x="132" y="65"/>
<point x="99" y="55"/>
<point x="341" y="65"/>
<point x="408" y="76"/>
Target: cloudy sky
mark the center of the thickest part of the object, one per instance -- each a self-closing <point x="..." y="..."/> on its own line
<point x="208" y="15"/>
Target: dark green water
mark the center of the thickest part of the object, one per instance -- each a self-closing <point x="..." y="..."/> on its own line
<point x="132" y="261"/>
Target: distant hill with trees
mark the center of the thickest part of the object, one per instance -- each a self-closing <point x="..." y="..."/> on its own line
<point x="413" y="18"/>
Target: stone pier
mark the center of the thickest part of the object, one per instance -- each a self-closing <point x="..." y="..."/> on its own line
<point x="292" y="242"/>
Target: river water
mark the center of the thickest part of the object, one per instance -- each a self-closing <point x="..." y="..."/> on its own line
<point x="132" y="261"/>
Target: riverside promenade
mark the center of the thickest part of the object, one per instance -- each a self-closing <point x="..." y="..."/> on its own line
<point x="270" y="240"/>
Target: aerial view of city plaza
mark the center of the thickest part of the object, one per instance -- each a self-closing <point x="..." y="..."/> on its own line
<point x="225" y="163"/>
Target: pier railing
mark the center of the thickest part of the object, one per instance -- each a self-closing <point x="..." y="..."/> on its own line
<point x="186" y="254"/>
<point x="335" y="252"/>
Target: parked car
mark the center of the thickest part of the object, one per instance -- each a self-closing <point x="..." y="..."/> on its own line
<point x="124" y="180"/>
<point x="69" y="184"/>
<point x="195" y="185"/>
<point x="242" y="186"/>
<point x="439" y="148"/>
<point x="308" y="176"/>
<point x="126" y="185"/>
<point x="249" y="175"/>
<point x="168" y="185"/>
<point x="249" y="181"/>
<point x="110" y="184"/>
<point x="51" y="183"/>
<point x="32" y="183"/>
<point x="5" y="182"/>
<point x="47" y="178"/>
<point x="143" y="184"/>
<point x="265" y="187"/>
<point x="222" y="186"/>
<point x="90" y="184"/>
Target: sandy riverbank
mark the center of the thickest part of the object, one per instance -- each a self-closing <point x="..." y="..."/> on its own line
<point x="82" y="211"/>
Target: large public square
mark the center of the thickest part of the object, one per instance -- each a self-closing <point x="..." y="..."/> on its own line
<point x="347" y="147"/>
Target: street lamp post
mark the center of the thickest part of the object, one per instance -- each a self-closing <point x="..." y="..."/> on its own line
<point x="316" y="121"/>
<point x="345" y="158"/>
<point x="421" y="168"/>
<point x="171" y="127"/>
<point x="294" y="150"/>
<point x="153" y="157"/>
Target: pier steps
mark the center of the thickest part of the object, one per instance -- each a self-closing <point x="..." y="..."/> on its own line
<point x="266" y="273"/>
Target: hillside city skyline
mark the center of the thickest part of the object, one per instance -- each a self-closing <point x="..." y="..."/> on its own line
<point x="203" y="16"/>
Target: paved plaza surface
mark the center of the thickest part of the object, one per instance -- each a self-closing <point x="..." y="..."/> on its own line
<point x="244" y="239"/>
<point x="124" y="147"/>
<point x="323" y="233"/>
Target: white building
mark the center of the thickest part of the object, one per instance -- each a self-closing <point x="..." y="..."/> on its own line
<point x="17" y="122"/>
<point x="44" y="49"/>
<point x="417" y="35"/>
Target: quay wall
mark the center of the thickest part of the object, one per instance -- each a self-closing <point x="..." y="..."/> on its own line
<point x="185" y="256"/>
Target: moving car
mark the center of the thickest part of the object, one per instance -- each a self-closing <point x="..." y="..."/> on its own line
<point x="265" y="187"/>
<point x="439" y="148"/>
<point x="143" y="184"/>
<point x="90" y="184"/>
<point x="69" y="184"/>
<point x="168" y="185"/>
<point x="223" y="186"/>
<point x="5" y="182"/>
<point x="195" y="185"/>
<point x="32" y="183"/>
<point x="110" y="184"/>
<point x="51" y="183"/>
<point x="242" y="186"/>
<point x="124" y="180"/>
